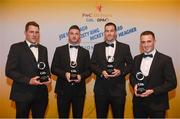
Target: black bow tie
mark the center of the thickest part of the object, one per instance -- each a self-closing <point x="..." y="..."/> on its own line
<point x="149" y="55"/>
<point x="74" y="46"/>
<point x="33" y="45"/>
<point x="111" y="45"/>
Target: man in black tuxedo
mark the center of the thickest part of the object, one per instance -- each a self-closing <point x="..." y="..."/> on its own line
<point x="158" y="76"/>
<point x="28" y="92"/>
<point x="111" y="61"/>
<point x="71" y="65"/>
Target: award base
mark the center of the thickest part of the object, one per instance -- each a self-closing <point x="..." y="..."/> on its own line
<point x="110" y="69"/>
<point x="73" y="77"/>
<point x="140" y="88"/>
<point x="43" y="79"/>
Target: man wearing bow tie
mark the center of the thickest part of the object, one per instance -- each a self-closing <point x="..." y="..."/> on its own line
<point x="71" y="65"/>
<point x="111" y="61"/>
<point x="160" y="78"/>
<point x="28" y="92"/>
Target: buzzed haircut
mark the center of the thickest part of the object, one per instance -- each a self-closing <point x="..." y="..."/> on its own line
<point x="74" y="27"/>
<point x="33" y="23"/>
<point x="148" y="33"/>
<point x="110" y="24"/>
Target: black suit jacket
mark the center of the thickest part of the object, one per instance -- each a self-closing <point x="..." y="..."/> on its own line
<point x="21" y="66"/>
<point x="122" y="60"/>
<point x="161" y="79"/>
<point x="61" y="65"/>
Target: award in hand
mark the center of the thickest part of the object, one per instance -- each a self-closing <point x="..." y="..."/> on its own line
<point x="43" y="75"/>
<point x="141" y="87"/>
<point x="73" y="70"/>
<point x="110" y="66"/>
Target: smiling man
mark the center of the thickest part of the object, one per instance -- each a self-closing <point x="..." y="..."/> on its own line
<point x="158" y="79"/>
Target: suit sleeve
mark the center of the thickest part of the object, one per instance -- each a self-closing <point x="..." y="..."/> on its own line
<point x="47" y="68"/>
<point x="56" y="66"/>
<point x="87" y="71"/>
<point x="169" y="77"/>
<point x="12" y="69"/>
<point x="94" y="65"/>
<point x="132" y="77"/>
<point x="129" y="62"/>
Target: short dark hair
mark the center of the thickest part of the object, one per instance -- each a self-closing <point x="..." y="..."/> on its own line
<point x="110" y="24"/>
<point x="33" y="23"/>
<point x="74" y="27"/>
<point x="148" y="33"/>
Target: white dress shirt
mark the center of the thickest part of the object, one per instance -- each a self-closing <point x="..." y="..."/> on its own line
<point x="146" y="63"/>
<point x="73" y="52"/>
<point x="34" y="50"/>
<point x="110" y="50"/>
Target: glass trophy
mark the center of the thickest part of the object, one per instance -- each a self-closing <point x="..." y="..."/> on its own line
<point x="43" y="75"/>
<point x="110" y="66"/>
<point x="141" y="87"/>
<point x="73" y="70"/>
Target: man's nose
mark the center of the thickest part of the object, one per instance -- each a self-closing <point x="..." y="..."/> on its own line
<point x="145" y="44"/>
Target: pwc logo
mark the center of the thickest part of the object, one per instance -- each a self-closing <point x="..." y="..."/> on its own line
<point x="99" y="8"/>
<point x="98" y="15"/>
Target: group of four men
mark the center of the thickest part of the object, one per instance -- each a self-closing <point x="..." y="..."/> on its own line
<point x="30" y="93"/>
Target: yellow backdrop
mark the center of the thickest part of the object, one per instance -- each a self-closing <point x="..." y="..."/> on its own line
<point x="55" y="17"/>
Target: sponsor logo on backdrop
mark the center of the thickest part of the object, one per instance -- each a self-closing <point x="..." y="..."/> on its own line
<point x="97" y="16"/>
<point x="91" y="36"/>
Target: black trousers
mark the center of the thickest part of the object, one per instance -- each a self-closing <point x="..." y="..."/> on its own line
<point x="141" y="110"/>
<point x="37" y="107"/>
<point x="102" y="105"/>
<point x="64" y="102"/>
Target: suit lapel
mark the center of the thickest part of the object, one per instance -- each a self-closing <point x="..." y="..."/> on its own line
<point x="30" y="55"/>
<point x="139" y="62"/>
<point x="40" y="54"/>
<point x="67" y="54"/>
<point x="79" y="55"/>
<point x="154" y="63"/>
<point x="103" y="47"/>
<point x="78" y="60"/>
<point x="117" y="52"/>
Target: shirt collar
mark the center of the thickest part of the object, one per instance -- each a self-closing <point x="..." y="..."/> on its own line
<point x="72" y="44"/>
<point x="29" y="43"/>
<point x="152" y="52"/>
<point x="113" y="42"/>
